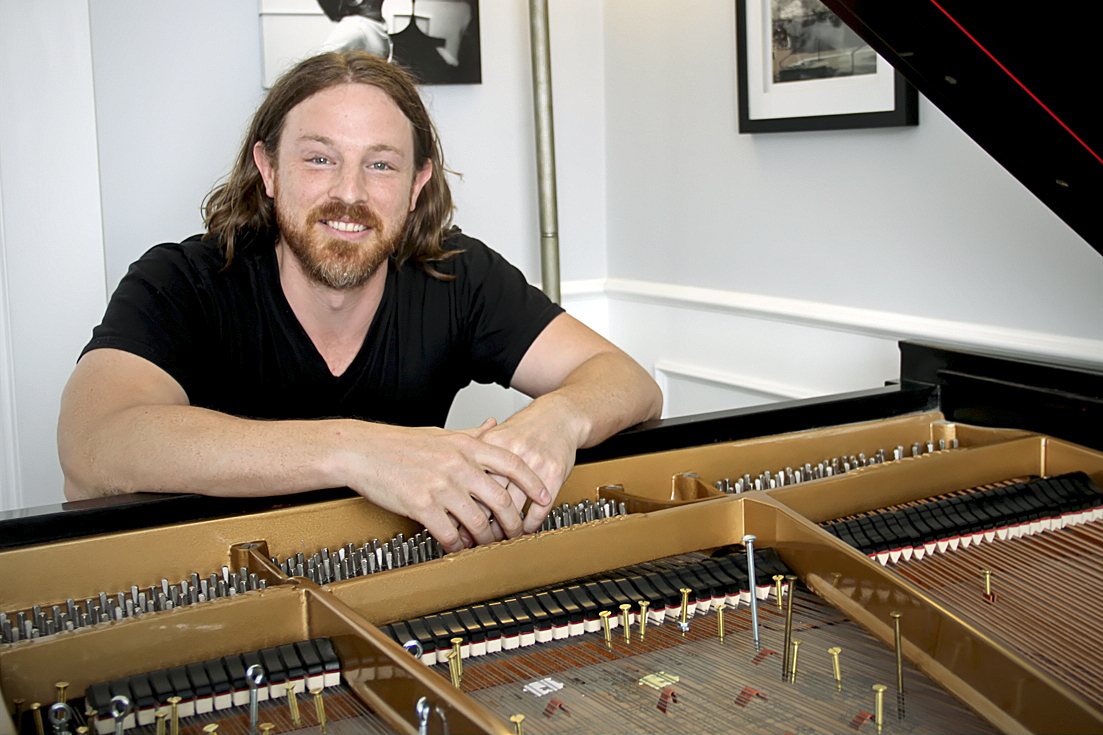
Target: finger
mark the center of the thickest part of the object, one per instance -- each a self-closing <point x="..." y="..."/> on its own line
<point x="498" y="461"/>
<point x="478" y="431"/>
<point x="495" y="527"/>
<point x="535" y="517"/>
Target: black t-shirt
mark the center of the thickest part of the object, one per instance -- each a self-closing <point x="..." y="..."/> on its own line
<point x="231" y="340"/>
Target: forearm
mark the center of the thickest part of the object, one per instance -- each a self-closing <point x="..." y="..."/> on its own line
<point x="607" y="393"/>
<point x="171" y="448"/>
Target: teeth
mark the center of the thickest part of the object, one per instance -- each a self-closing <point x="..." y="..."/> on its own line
<point x="346" y="226"/>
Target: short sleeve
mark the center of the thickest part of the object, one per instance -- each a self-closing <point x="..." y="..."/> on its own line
<point x="506" y="313"/>
<point x="157" y="313"/>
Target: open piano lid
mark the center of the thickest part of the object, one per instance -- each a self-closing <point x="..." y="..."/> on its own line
<point x="1020" y="79"/>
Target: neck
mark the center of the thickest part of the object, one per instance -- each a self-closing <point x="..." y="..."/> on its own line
<point x="335" y="320"/>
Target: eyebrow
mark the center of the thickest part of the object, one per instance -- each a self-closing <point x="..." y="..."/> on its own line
<point x="378" y="147"/>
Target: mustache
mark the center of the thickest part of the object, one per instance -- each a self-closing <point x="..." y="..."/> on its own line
<point x="334" y="210"/>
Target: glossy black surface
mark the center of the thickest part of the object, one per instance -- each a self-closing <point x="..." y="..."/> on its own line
<point x="1019" y="80"/>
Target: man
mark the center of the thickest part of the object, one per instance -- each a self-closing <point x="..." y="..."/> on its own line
<point x="315" y="337"/>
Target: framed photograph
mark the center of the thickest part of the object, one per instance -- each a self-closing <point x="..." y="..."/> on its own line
<point x="437" y="40"/>
<point x="801" y="68"/>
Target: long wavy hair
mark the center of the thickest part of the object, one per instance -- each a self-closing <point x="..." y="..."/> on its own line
<point x="238" y="209"/>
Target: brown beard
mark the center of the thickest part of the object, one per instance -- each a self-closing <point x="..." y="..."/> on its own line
<point x="329" y="261"/>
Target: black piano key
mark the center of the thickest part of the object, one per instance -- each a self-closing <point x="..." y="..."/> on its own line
<point x="629" y="591"/>
<point x="549" y="603"/>
<point x="292" y="664"/>
<point x="599" y="595"/>
<point x="142" y="694"/>
<point x="615" y="594"/>
<point x="98" y="697"/>
<point x="162" y="687"/>
<point x="541" y="620"/>
<point x="590" y="607"/>
<point x="442" y="637"/>
<point x="252" y="658"/>
<point x="219" y="677"/>
<point x="506" y="623"/>
<point x="671" y="597"/>
<point x="330" y="662"/>
<point x="525" y="623"/>
<point x="729" y="584"/>
<point x="647" y="592"/>
<point x="200" y="679"/>
<point x="312" y="660"/>
<point x="489" y="625"/>
<point x="420" y="632"/>
<point x="181" y="684"/>
<point x="574" y="612"/>
<point x="676" y="582"/>
<point x="455" y="628"/>
<point x="399" y="632"/>
<point x="475" y="633"/>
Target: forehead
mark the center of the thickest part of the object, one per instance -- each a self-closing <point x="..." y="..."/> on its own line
<point x="350" y="114"/>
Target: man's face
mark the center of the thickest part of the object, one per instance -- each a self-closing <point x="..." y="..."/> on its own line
<point x="344" y="181"/>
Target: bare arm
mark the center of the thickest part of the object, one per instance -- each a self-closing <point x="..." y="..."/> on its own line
<point x="586" y="390"/>
<point x="127" y="426"/>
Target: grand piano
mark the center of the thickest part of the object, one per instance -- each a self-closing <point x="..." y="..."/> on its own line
<point x="831" y="488"/>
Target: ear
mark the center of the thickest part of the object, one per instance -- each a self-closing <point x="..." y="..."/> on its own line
<point x="266" y="168"/>
<point x="421" y="178"/>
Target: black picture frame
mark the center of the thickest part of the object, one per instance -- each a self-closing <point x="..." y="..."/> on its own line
<point x="905" y="98"/>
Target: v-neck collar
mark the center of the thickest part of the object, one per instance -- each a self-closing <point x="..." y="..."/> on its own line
<point x="317" y="361"/>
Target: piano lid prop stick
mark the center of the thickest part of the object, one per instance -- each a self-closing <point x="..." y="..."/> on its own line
<point x="749" y="540"/>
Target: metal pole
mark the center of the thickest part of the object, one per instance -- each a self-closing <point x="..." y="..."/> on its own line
<point x="545" y="148"/>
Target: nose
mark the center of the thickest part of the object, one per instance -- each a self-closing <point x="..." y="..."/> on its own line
<point x="348" y="185"/>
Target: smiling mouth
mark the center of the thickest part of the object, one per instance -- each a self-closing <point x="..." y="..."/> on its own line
<point x="345" y="226"/>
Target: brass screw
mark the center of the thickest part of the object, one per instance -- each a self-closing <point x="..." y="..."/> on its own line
<point x="644" y="604"/>
<point x="319" y="708"/>
<point x="61" y="687"/>
<point x="720" y="620"/>
<point x="293" y="702"/>
<point x="899" y="651"/>
<point x="174" y="704"/>
<point x="793" y="663"/>
<point x="456" y="643"/>
<point x="266" y="728"/>
<point x="517" y="720"/>
<point x="160" y="716"/>
<point x="683" y="621"/>
<point x="879" y="716"/>
<point x="36" y="713"/>
<point x="453" y="670"/>
<point x="211" y="729"/>
<point x="604" y="615"/>
<point x="835" y="651"/>
<point x="777" y="588"/>
<point x="625" y="617"/>
<point x="987" y="582"/>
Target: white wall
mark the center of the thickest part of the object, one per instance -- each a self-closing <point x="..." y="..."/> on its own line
<point x="52" y="247"/>
<point x="740" y="269"/>
<point x="798" y="259"/>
